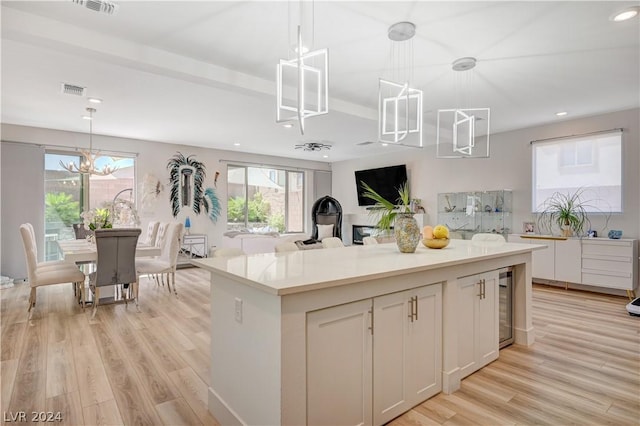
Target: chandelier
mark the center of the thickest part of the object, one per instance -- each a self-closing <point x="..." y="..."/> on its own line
<point x="400" y="105"/>
<point x="464" y="131"/>
<point x="87" y="166"/>
<point x="302" y="86"/>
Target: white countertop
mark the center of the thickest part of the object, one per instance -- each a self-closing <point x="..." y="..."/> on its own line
<point x="294" y="272"/>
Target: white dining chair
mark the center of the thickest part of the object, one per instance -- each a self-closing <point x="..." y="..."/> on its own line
<point x="227" y="252"/>
<point x="369" y="241"/>
<point x="47" y="273"/>
<point x="165" y="264"/>
<point x="285" y="247"/>
<point x="487" y="240"/>
<point x="152" y="233"/>
<point x="332" y="242"/>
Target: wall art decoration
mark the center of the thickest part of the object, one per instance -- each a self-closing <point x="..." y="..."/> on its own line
<point x="151" y="189"/>
<point x="186" y="176"/>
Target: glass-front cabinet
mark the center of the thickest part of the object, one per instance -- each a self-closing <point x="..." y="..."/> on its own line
<point x="468" y="213"/>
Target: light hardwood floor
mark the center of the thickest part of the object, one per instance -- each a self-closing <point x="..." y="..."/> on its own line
<point x="152" y="367"/>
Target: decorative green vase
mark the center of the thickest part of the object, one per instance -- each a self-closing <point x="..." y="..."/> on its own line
<point x="407" y="232"/>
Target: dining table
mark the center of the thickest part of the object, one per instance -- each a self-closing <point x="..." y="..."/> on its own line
<point x="83" y="251"/>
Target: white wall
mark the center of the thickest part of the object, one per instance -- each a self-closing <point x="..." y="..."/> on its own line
<point x="152" y="158"/>
<point x="509" y="167"/>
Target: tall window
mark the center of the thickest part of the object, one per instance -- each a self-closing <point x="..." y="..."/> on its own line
<point x="69" y="194"/>
<point x="592" y="163"/>
<point x="265" y="199"/>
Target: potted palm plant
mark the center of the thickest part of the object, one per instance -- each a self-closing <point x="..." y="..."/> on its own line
<point x="568" y="211"/>
<point x="396" y="213"/>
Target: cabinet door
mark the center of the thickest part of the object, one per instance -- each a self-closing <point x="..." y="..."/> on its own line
<point x="406" y="350"/>
<point x="568" y="261"/>
<point x="339" y="365"/>
<point x="478" y="322"/>
<point x="488" y="326"/>
<point x="543" y="261"/>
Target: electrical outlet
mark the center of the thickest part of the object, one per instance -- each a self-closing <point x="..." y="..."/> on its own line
<point x="239" y="310"/>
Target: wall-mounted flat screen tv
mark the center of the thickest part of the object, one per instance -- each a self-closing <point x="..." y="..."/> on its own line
<point x="385" y="181"/>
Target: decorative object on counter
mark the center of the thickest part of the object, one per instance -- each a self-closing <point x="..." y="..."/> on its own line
<point x="187" y="187"/>
<point x="435" y="238"/>
<point x="592" y="234"/>
<point x="405" y="225"/>
<point x="529" y="227"/>
<point x="615" y="234"/>
<point x="569" y="211"/>
<point x="187" y="225"/>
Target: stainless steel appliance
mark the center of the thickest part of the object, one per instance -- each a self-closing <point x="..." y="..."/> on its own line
<point x="505" y="297"/>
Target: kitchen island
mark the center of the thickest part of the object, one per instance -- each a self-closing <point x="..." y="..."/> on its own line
<point x="357" y="334"/>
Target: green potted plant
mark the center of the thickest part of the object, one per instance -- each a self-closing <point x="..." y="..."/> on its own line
<point x="396" y="213"/>
<point x="568" y="211"/>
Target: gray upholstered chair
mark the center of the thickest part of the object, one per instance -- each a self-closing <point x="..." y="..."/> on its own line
<point x="80" y="231"/>
<point x="116" y="261"/>
<point x="167" y="262"/>
<point x="47" y="273"/>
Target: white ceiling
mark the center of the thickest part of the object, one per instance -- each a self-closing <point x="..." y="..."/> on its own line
<point x="203" y="73"/>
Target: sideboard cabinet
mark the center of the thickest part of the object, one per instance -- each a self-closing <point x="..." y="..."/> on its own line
<point x="598" y="262"/>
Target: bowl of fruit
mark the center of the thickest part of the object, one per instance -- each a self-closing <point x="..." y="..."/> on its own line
<point x="436" y="237"/>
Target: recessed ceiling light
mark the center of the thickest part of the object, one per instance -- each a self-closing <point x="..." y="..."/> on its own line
<point x="385" y="144"/>
<point x="287" y="125"/>
<point x="95" y="100"/>
<point x="236" y="144"/>
<point x="87" y="117"/>
<point x="561" y="113"/>
<point x="325" y="156"/>
<point x="625" y="14"/>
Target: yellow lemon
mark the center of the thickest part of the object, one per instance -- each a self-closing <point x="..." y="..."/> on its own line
<point x="440" y="231"/>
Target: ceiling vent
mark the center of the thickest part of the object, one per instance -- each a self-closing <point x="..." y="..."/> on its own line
<point x="73" y="89"/>
<point x="102" y="6"/>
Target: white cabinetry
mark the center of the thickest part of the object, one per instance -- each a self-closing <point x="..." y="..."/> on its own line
<point x="478" y="326"/>
<point x="598" y="262"/>
<point x="406" y="350"/>
<point x="567" y="262"/>
<point x="372" y="360"/>
<point x="610" y="263"/>
<point x="560" y="261"/>
<point x="339" y="364"/>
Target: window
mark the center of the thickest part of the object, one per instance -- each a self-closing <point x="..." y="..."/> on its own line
<point x="592" y="162"/>
<point x="69" y="194"/>
<point x="265" y="199"/>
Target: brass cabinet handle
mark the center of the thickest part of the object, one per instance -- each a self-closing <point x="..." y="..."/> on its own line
<point x="413" y="308"/>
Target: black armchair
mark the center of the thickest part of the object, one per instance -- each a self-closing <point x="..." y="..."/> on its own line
<point x="326" y="211"/>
